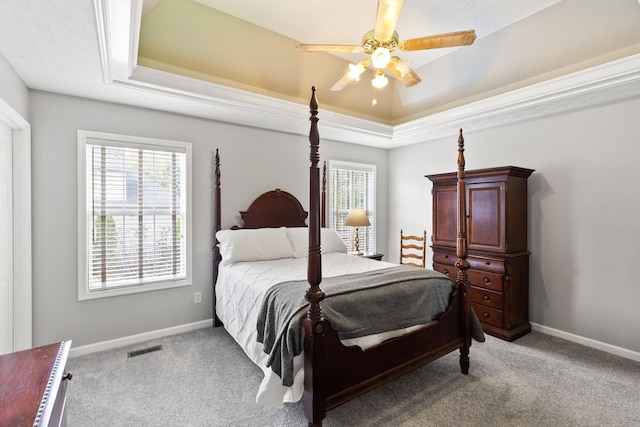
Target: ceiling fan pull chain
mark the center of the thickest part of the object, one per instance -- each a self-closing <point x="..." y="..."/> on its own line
<point x="374" y="101"/>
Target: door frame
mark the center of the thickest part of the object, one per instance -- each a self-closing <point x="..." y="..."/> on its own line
<point x="22" y="275"/>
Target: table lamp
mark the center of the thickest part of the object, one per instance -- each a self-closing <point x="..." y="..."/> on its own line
<point x="357" y="218"/>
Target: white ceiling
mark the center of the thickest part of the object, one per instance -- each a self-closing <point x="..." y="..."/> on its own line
<point x="71" y="47"/>
<point x="345" y="22"/>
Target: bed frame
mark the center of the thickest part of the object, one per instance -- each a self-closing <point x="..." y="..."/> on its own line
<point x="335" y="374"/>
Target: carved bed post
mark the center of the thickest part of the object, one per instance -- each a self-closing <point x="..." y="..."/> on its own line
<point x="315" y="408"/>
<point x="462" y="280"/>
<point x="216" y="227"/>
<point x="323" y="222"/>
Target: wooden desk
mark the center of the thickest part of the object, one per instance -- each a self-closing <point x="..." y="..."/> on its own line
<point x="33" y="385"/>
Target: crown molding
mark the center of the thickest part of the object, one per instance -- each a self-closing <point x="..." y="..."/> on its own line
<point x="222" y="103"/>
<point x="118" y="25"/>
<point x="609" y="82"/>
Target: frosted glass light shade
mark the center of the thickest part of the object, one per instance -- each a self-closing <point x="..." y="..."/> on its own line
<point x="379" y="81"/>
<point x="355" y="70"/>
<point x="380" y="57"/>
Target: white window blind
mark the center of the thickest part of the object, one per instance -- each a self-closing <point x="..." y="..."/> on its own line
<point x="352" y="185"/>
<point x="136" y="213"/>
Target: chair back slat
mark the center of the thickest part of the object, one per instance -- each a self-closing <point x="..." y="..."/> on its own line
<point x="413" y="247"/>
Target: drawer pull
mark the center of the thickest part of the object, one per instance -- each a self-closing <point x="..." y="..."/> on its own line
<point x="446" y="256"/>
<point x="486" y="280"/>
<point x="486" y="297"/>
<point x="486" y="315"/>
<point x="67" y="376"/>
<point x="487" y="262"/>
<point x="445" y="271"/>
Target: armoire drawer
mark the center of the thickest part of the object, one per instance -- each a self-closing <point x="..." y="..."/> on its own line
<point x="445" y="258"/>
<point x="487" y="297"/>
<point x="494" y="265"/>
<point x="488" y="315"/>
<point x="448" y="270"/>
<point x="477" y="262"/>
<point x="485" y="280"/>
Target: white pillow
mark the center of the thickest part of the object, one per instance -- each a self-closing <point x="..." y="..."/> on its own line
<point x="299" y="237"/>
<point x="330" y="241"/>
<point x="260" y="244"/>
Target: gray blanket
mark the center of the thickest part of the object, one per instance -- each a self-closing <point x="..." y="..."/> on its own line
<point x="396" y="298"/>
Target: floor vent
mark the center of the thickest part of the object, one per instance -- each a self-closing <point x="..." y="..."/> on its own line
<point x="144" y="351"/>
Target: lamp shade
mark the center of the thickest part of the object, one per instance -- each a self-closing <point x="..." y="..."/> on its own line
<point x="357" y="218"/>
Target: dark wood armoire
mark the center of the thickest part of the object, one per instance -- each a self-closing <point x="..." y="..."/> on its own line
<point x="497" y="232"/>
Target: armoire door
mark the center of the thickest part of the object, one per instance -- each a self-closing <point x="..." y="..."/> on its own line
<point x="486" y="216"/>
<point x="445" y="205"/>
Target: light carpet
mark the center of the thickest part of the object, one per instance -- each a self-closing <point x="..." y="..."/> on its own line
<point x="203" y="378"/>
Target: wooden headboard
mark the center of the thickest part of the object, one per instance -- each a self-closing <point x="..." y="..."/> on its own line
<point x="275" y="208"/>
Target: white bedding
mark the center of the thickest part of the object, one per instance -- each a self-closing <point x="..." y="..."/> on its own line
<point x="239" y="291"/>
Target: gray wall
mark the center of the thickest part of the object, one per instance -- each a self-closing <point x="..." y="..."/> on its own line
<point x="583" y="229"/>
<point x="584" y="211"/>
<point x="253" y="161"/>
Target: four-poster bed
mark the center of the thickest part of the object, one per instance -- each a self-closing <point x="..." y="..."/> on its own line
<point x="332" y="369"/>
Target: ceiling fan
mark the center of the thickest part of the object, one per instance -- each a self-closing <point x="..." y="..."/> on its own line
<point x="381" y="41"/>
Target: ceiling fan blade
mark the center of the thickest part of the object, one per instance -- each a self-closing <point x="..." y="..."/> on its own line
<point x="328" y="48"/>
<point x="340" y="84"/>
<point x="460" y="38"/>
<point x="409" y="79"/>
<point x="387" y="18"/>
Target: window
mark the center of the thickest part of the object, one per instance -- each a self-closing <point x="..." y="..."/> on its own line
<point x="134" y="214"/>
<point x="352" y="185"/>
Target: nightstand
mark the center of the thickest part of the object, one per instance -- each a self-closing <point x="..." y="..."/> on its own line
<point x="377" y="257"/>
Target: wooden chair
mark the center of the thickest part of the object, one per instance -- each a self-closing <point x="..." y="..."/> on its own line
<point x="413" y="249"/>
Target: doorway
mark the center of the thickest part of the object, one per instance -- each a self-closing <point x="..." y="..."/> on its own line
<point x="15" y="231"/>
<point x="6" y="240"/>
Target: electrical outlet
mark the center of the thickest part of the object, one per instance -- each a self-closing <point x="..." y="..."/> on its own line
<point x="197" y="297"/>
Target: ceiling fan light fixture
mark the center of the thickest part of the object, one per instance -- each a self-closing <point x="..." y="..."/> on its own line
<point x="380" y="80"/>
<point x="380" y="57"/>
<point x="355" y="70"/>
<point x="383" y="39"/>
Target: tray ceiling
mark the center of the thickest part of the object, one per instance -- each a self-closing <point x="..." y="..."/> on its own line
<point x="186" y="55"/>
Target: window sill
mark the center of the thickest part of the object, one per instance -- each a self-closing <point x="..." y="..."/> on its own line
<point x="84" y="295"/>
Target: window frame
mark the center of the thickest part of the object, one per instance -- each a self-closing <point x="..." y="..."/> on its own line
<point x="341" y="164"/>
<point x="84" y="138"/>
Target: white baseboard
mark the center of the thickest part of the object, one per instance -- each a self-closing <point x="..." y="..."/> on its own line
<point x="588" y="342"/>
<point x="134" y="339"/>
<point x="146" y="336"/>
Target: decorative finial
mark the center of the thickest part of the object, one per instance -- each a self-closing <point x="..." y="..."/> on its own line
<point x="461" y="160"/>
<point x="313" y="105"/>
